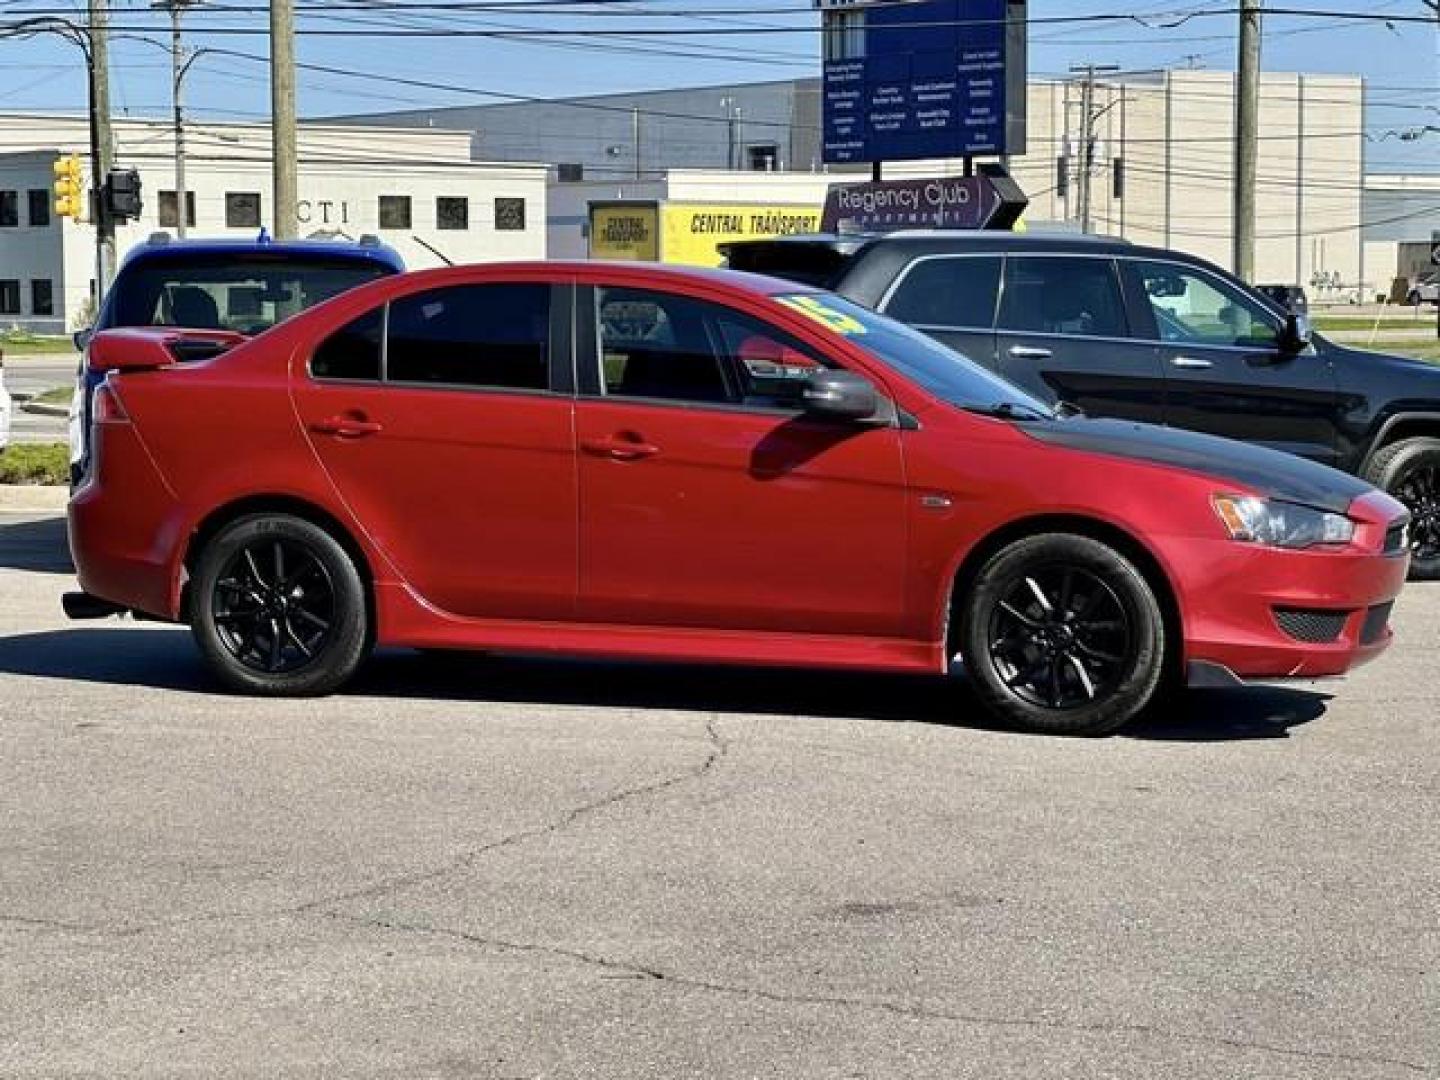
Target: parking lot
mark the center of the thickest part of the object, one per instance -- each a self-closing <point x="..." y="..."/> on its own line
<point x="504" y="867"/>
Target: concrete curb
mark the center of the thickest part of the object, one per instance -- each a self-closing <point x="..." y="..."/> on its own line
<point x="41" y="409"/>
<point x="33" y="498"/>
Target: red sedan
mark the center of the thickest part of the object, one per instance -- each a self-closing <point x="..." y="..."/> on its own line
<point x="636" y="461"/>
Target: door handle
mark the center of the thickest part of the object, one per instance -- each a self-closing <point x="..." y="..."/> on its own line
<point x="1030" y="352"/>
<point x="347" y="427"/>
<point x="620" y="448"/>
<point x="1191" y="363"/>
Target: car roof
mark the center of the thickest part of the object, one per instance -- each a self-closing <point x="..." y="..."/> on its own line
<point x="950" y="240"/>
<point x="168" y="250"/>
<point x="624" y="272"/>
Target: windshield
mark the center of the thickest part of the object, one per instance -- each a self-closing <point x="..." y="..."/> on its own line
<point x="942" y="371"/>
<point x="247" y="294"/>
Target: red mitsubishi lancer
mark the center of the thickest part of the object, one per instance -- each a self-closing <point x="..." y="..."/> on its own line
<point x="640" y="461"/>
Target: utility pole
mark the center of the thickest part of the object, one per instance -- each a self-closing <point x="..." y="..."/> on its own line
<point x="635" y="138"/>
<point x="1247" y="124"/>
<point x="1087" y="134"/>
<point x="282" y="117"/>
<point x="178" y="67"/>
<point x="102" y="147"/>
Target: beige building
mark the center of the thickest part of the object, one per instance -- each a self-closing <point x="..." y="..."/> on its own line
<point x="418" y="191"/>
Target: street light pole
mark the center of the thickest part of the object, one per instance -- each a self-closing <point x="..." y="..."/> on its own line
<point x="1247" y="124"/>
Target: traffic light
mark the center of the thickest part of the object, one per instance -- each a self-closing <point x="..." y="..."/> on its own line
<point x="69" y="188"/>
<point x="122" y="194"/>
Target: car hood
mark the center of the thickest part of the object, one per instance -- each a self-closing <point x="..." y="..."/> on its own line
<point x="1427" y="375"/>
<point x="1270" y="473"/>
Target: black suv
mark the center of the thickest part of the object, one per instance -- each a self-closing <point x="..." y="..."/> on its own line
<point x="1145" y="334"/>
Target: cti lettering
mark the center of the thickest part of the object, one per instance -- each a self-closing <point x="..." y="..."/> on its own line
<point x="305" y="211"/>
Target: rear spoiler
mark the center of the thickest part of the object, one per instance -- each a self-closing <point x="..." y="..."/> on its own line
<point x="144" y="348"/>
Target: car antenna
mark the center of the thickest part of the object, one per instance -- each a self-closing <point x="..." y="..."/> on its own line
<point x="433" y="250"/>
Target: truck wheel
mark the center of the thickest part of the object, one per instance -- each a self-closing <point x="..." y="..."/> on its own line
<point x="1410" y="471"/>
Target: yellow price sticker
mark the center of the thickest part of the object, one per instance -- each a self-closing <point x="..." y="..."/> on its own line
<point x="824" y="314"/>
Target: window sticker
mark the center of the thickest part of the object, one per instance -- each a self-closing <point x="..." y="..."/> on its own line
<point x="829" y="317"/>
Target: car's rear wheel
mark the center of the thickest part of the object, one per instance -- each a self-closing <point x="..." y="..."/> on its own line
<point x="1410" y="471"/>
<point x="1062" y="634"/>
<point x="278" y="607"/>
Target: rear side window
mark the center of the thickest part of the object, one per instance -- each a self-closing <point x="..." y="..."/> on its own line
<point x="352" y="352"/>
<point x="1076" y="297"/>
<point x="948" y="292"/>
<point x="495" y="336"/>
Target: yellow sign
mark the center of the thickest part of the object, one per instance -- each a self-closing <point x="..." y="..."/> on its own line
<point x="629" y="233"/>
<point x="824" y="314"/>
<point x="690" y="233"/>
<point x="694" y="231"/>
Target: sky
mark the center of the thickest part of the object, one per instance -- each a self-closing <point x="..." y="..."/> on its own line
<point x="617" y="48"/>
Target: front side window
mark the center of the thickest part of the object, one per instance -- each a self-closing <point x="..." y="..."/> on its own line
<point x="242" y="209"/>
<point x="493" y="336"/>
<point x="1195" y="308"/>
<point x="948" y="292"/>
<point x="452" y="212"/>
<point x="1076" y="297"/>
<point x="353" y="351"/>
<point x="675" y="348"/>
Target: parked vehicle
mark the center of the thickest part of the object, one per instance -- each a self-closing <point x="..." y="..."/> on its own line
<point x="1424" y="290"/>
<point x="638" y="461"/>
<point x="5" y="407"/>
<point x="1142" y="333"/>
<point x="239" y="286"/>
<point x="1287" y="297"/>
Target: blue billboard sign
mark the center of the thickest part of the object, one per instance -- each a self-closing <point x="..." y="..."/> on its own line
<point x="934" y="78"/>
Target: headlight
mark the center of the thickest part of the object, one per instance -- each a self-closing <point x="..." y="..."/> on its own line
<point x="1281" y="524"/>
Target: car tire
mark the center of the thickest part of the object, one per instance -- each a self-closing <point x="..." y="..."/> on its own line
<point x="279" y="608"/>
<point x="1060" y="634"/>
<point x="1409" y="470"/>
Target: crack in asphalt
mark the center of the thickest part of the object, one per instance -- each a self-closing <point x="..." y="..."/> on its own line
<point x="631" y="970"/>
<point x="719" y="747"/>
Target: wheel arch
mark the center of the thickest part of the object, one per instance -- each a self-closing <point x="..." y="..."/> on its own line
<point x="1122" y="540"/>
<point x="1401" y="426"/>
<point x="227" y="513"/>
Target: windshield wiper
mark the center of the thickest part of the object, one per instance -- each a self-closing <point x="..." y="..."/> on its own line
<point x="1009" y="410"/>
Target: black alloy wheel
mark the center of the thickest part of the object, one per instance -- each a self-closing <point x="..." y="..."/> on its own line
<point x="278" y="619"/>
<point x="1059" y="637"/>
<point x="1409" y="470"/>
<point x="279" y="607"/>
<point x="1062" y="634"/>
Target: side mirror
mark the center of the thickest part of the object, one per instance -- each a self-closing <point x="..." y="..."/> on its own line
<point x="1296" y="336"/>
<point x="839" y="395"/>
<point x="81" y="338"/>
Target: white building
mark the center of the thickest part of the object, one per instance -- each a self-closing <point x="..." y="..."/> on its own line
<point x="416" y="189"/>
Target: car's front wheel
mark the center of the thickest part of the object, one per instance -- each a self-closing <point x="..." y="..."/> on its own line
<point x="1410" y="471"/>
<point x="1061" y="634"/>
<point x="278" y="607"/>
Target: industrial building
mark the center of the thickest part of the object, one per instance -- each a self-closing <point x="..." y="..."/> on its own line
<point x="419" y="191"/>
<point x="1161" y="162"/>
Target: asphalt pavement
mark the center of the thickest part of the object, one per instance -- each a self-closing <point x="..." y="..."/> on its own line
<point x="503" y="867"/>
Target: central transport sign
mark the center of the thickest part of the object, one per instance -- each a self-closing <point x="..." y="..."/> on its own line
<point x="927" y="79"/>
<point x="959" y="202"/>
<point x="689" y="233"/>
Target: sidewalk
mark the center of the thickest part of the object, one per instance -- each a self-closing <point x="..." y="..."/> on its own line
<point x="32" y="498"/>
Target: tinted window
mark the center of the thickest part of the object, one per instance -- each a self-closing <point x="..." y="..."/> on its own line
<point x="9" y="209"/>
<point x="9" y="297"/>
<point x="394" y="211"/>
<point x="452" y="212"/>
<point x="1076" y="297"/>
<point x="169" y="218"/>
<point x="472" y="335"/>
<point x="919" y="357"/>
<point x="675" y="348"/>
<point x="39" y="207"/>
<point x="244" y="292"/>
<point x="352" y="352"/>
<point x="510" y="215"/>
<point x="42" y="296"/>
<point x="948" y="292"/>
<point x="1194" y="307"/>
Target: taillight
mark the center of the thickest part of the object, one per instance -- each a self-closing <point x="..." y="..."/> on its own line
<point x="105" y="407"/>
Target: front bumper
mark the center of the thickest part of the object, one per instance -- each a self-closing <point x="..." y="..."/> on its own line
<point x="1265" y="613"/>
